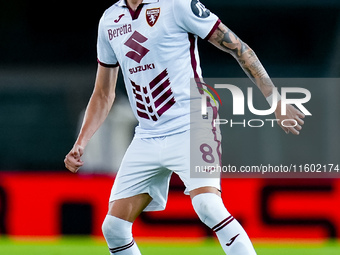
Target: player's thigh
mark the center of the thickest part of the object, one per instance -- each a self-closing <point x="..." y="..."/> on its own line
<point x="129" y="208"/>
<point x="141" y="173"/>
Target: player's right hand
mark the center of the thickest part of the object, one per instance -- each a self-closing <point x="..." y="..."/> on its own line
<point x="73" y="159"/>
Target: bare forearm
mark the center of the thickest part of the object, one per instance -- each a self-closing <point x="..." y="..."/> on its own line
<point x="227" y="41"/>
<point x="96" y="112"/>
<point x="100" y="103"/>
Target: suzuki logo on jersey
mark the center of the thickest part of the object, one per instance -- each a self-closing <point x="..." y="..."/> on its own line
<point x="134" y="43"/>
<point x="154" y="100"/>
<point x="152" y="16"/>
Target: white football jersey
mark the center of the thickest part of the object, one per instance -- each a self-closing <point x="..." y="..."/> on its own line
<point x="156" y="49"/>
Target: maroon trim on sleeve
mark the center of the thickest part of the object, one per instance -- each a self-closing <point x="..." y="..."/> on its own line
<point x="107" y="65"/>
<point x="218" y="22"/>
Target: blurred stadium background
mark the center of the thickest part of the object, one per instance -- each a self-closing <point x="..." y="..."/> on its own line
<point x="47" y="71"/>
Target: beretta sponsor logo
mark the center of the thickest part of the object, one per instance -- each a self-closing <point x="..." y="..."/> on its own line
<point x="125" y="29"/>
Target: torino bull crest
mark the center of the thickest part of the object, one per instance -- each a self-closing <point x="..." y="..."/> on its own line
<point x="152" y="16"/>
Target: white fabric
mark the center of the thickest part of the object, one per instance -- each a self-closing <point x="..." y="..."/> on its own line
<point x="149" y="162"/>
<point x="233" y="239"/>
<point x="118" y="235"/>
<point x="159" y="48"/>
<point x="210" y="209"/>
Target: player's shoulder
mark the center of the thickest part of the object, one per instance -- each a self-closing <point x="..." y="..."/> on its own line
<point x="116" y="7"/>
<point x="176" y="3"/>
<point x="182" y="7"/>
<point x="180" y="2"/>
<point x="185" y="2"/>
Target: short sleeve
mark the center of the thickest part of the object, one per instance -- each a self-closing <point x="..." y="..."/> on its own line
<point x="105" y="54"/>
<point x="195" y="18"/>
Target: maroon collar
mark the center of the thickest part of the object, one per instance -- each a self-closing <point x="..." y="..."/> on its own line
<point x="135" y="14"/>
<point x="122" y="3"/>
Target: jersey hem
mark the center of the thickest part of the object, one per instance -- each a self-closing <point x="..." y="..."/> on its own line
<point x="139" y="134"/>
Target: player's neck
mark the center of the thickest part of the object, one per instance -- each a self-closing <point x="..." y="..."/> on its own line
<point x="133" y="4"/>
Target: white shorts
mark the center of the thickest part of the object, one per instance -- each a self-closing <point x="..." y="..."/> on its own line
<point x="149" y="162"/>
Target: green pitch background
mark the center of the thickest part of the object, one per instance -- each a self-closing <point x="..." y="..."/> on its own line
<point x="88" y="246"/>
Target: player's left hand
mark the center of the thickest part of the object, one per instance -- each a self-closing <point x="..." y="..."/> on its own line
<point x="292" y="120"/>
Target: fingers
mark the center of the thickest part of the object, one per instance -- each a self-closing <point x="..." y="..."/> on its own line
<point x="295" y="131"/>
<point x="292" y="122"/>
<point x="284" y="128"/>
<point x="73" y="164"/>
<point x="299" y="120"/>
<point x="73" y="159"/>
<point x="291" y="127"/>
<point x="77" y="151"/>
<point x="300" y="114"/>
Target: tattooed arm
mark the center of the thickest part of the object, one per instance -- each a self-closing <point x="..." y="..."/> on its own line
<point x="224" y="39"/>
